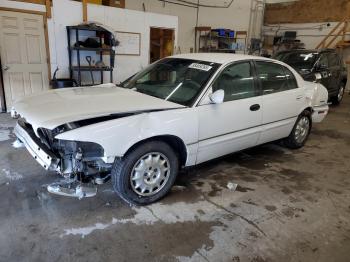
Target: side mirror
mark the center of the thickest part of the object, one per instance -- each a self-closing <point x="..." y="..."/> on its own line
<point x="318" y="77"/>
<point x="217" y="97"/>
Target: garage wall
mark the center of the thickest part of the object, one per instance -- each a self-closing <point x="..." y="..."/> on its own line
<point x="66" y="12"/>
<point x="22" y="5"/>
<point x="307" y="11"/>
<point x="309" y="33"/>
<point x="236" y="17"/>
<point x="132" y="21"/>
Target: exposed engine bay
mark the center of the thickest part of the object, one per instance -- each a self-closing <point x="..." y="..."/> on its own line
<point x="79" y="163"/>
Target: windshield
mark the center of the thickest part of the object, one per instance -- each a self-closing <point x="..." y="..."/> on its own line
<point x="298" y="60"/>
<point x="173" y="79"/>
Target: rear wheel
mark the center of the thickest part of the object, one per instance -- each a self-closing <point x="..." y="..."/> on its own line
<point x="145" y="174"/>
<point x="300" y="132"/>
<point x="336" y="100"/>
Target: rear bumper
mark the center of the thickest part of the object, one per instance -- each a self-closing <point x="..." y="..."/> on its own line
<point x="38" y="150"/>
<point x="319" y="113"/>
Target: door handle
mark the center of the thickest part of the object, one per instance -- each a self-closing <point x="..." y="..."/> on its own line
<point x="5" y="68"/>
<point x="255" y="107"/>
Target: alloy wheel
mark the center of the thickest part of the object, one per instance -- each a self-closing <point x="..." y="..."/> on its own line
<point x="302" y="129"/>
<point x="150" y="174"/>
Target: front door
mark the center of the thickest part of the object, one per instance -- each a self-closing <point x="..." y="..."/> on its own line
<point x="234" y="124"/>
<point x="23" y="55"/>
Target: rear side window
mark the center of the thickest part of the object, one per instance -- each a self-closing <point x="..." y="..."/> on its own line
<point x="274" y="78"/>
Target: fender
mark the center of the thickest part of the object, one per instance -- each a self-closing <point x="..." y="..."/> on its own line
<point x="118" y="135"/>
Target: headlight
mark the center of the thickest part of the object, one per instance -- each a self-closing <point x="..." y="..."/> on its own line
<point x="14" y="114"/>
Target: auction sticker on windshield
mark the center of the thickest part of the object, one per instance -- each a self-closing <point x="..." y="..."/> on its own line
<point x="200" y="67"/>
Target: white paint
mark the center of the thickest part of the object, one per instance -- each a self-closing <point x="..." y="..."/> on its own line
<point x="201" y="128"/>
<point x="56" y="107"/>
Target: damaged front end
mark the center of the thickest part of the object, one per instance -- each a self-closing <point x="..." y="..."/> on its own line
<point x="78" y="162"/>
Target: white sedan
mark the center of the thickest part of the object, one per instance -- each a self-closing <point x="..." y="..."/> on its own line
<point x="178" y="112"/>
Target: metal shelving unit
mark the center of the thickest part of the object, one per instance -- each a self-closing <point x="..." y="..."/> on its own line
<point x="207" y="41"/>
<point x="74" y="50"/>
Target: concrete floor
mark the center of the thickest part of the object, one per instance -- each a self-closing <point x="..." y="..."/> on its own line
<point x="288" y="206"/>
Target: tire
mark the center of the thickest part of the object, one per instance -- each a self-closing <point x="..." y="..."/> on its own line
<point x="336" y="100"/>
<point x="296" y="139"/>
<point x="143" y="169"/>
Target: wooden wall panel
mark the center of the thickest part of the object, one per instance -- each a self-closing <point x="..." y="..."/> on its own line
<point x="307" y="11"/>
<point x="41" y="2"/>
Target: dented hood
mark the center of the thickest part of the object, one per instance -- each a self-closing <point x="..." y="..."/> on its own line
<point x="52" y="108"/>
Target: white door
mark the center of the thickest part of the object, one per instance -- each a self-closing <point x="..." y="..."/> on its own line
<point x="283" y="101"/>
<point x="236" y="123"/>
<point x="23" y="55"/>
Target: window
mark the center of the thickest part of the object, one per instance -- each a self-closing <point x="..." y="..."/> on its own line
<point x="237" y="81"/>
<point x="333" y="60"/>
<point x="292" y="82"/>
<point x="273" y="77"/>
<point x="174" y="79"/>
<point x="298" y="59"/>
<point x="323" y="61"/>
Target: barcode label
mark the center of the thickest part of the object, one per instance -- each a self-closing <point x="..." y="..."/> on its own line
<point x="200" y="67"/>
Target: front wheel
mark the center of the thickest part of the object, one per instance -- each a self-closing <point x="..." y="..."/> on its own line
<point x="339" y="97"/>
<point x="300" y="132"/>
<point x="145" y="174"/>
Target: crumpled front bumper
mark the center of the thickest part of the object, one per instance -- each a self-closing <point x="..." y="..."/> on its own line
<point x="35" y="147"/>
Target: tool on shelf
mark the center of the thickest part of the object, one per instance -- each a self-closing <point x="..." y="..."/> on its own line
<point x="88" y="59"/>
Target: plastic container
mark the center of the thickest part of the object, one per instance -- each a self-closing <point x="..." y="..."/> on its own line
<point x="63" y="83"/>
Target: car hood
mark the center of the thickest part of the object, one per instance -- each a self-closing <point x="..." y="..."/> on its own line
<point x="56" y="107"/>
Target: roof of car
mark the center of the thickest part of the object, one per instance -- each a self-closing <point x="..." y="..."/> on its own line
<point x="221" y="58"/>
<point x="318" y="51"/>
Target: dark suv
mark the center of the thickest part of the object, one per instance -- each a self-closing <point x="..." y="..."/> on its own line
<point x="327" y="63"/>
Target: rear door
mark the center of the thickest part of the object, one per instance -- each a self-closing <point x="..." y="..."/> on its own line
<point x="282" y="100"/>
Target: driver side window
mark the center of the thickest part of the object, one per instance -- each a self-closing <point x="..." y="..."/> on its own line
<point x="237" y="81"/>
<point x="323" y="60"/>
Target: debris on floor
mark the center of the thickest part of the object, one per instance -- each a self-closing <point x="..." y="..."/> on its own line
<point x="17" y="144"/>
<point x="232" y="186"/>
<point x="178" y="188"/>
<point x="72" y="189"/>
